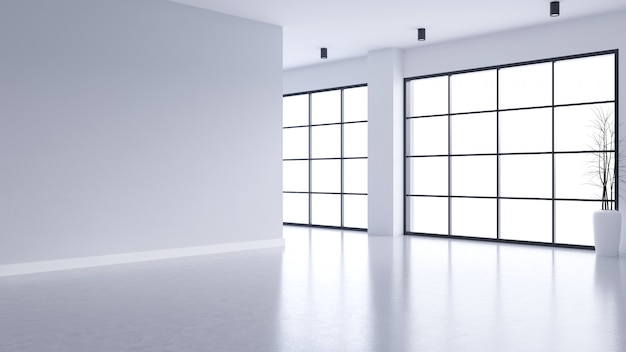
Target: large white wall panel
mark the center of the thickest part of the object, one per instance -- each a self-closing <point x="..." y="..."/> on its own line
<point x="385" y="137"/>
<point x="137" y="125"/>
<point x="540" y="42"/>
<point x="331" y="75"/>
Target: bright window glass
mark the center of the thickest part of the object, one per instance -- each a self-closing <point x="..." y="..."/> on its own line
<point x="296" y="175"/>
<point x="473" y="133"/>
<point x="326" y="107"/>
<point x="428" y="176"/>
<point x="296" y="110"/>
<point x="584" y="80"/>
<point x="428" y="215"/>
<point x="526" y="175"/>
<point x="575" y="126"/>
<point x="355" y="176"/>
<point x="295" y="208"/>
<point x="526" y="220"/>
<point x="474" y="217"/>
<point x="326" y="209"/>
<point x="355" y="140"/>
<point x="511" y="152"/>
<point x="573" y="223"/>
<point x="473" y="92"/>
<point x="325" y="147"/>
<point x="526" y="131"/>
<point x="355" y="104"/>
<point x="355" y="211"/>
<point x="474" y="176"/>
<point x="428" y="96"/>
<point x="428" y="136"/>
<point x="525" y="86"/>
<point x="296" y="143"/>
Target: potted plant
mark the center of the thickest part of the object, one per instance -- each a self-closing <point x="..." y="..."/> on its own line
<point x="603" y="173"/>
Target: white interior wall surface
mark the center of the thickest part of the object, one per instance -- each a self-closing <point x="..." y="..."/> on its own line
<point x="134" y="126"/>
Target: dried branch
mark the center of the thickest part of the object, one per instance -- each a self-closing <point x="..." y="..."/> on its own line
<point x="602" y="171"/>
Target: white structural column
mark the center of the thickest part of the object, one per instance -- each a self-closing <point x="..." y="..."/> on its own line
<point x="385" y="140"/>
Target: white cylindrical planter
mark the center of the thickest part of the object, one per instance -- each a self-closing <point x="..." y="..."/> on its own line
<point x="607" y="226"/>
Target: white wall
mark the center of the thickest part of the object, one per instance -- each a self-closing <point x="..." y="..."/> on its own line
<point x="332" y="75"/>
<point x="385" y="138"/>
<point x="561" y="38"/>
<point x="134" y="126"/>
<point x="541" y="42"/>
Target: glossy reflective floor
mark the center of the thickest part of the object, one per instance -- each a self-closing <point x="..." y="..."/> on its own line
<point x="328" y="291"/>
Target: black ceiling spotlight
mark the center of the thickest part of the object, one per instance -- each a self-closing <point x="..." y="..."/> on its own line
<point x="554" y="9"/>
<point x="421" y="34"/>
<point x="324" y="53"/>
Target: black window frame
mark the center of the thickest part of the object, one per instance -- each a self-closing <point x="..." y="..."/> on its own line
<point x="310" y="159"/>
<point x="498" y="197"/>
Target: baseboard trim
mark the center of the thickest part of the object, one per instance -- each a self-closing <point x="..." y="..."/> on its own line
<point x="87" y="262"/>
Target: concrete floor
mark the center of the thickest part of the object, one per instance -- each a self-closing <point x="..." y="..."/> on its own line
<point x="328" y="290"/>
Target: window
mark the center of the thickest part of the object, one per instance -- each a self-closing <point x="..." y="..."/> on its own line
<point x="507" y="153"/>
<point x="325" y="158"/>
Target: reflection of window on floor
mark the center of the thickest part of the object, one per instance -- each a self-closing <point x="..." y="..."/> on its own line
<point x="325" y="158"/>
<point x="506" y="152"/>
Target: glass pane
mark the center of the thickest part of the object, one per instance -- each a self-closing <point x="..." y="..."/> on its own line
<point x="326" y="107"/>
<point x="526" y="220"/>
<point x="574" y="222"/>
<point x="428" y="136"/>
<point x="474" y="217"/>
<point x="526" y="131"/>
<point x="576" y="177"/>
<point x="296" y="176"/>
<point x="355" y="140"/>
<point x="526" y="86"/>
<point x="428" y="96"/>
<point x="326" y="141"/>
<point x="473" y="133"/>
<point x="326" y="209"/>
<point x="575" y="127"/>
<point x="296" y="143"/>
<point x="475" y="91"/>
<point x="428" y="176"/>
<point x="428" y="215"/>
<point x="296" y="208"/>
<point x="355" y="176"/>
<point x="355" y="104"/>
<point x="526" y="176"/>
<point x="584" y="80"/>
<point x="326" y="176"/>
<point x="296" y="110"/>
<point x="474" y="176"/>
<point x="355" y="211"/>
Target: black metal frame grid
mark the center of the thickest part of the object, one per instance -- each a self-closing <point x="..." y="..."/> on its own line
<point x="497" y="154"/>
<point x="310" y="160"/>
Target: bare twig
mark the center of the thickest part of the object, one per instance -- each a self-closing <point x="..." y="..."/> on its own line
<point x="602" y="171"/>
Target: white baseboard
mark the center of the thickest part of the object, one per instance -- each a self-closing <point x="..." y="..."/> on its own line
<point x="86" y="262"/>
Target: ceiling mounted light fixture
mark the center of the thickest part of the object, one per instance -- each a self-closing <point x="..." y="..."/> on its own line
<point x="324" y="53"/>
<point x="421" y="34"/>
<point x="555" y="10"/>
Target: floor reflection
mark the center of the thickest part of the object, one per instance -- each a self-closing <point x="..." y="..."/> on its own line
<point x="610" y="299"/>
<point x="352" y="292"/>
<point x="324" y="291"/>
<point x="222" y="302"/>
<point x="328" y="290"/>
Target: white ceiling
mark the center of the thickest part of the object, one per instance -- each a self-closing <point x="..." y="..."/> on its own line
<point x="351" y="28"/>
